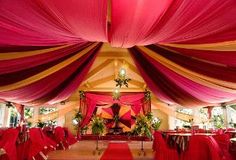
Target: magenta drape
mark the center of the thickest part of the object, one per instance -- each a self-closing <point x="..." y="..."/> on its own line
<point x="18" y="64"/>
<point x="175" y="88"/>
<point x="44" y="23"/>
<point x="47" y="89"/>
<point x="136" y="100"/>
<point x="171" y="21"/>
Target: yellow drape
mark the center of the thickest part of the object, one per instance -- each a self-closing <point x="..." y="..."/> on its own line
<point x="220" y="46"/>
<point x="15" y="55"/>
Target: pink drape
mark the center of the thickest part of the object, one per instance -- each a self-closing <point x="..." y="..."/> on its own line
<point x="171" y="21"/>
<point x="44" y="23"/>
<point x="175" y="88"/>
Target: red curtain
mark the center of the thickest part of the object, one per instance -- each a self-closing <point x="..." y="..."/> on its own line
<point x="92" y="99"/>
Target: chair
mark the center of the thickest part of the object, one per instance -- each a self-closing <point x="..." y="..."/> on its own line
<point x="37" y="144"/>
<point x="60" y="138"/>
<point x="69" y="136"/>
<point x="202" y="148"/>
<point x="223" y="141"/>
<point x="8" y="144"/>
<point x="163" y="152"/>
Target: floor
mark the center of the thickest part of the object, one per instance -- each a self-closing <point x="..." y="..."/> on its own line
<point x="84" y="150"/>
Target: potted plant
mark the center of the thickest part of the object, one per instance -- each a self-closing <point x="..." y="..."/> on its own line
<point x="98" y="128"/>
<point x="142" y="126"/>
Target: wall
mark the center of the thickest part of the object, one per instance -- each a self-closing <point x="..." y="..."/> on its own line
<point x="164" y="118"/>
<point x="68" y="121"/>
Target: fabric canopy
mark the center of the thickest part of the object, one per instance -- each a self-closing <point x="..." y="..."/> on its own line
<point x="47" y="47"/>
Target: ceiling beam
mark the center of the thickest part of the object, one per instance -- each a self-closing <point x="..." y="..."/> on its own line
<point x="113" y="54"/>
<point x="98" y="69"/>
<point x="137" y="83"/>
<point x="131" y="67"/>
<point x="97" y="82"/>
<point x="111" y="89"/>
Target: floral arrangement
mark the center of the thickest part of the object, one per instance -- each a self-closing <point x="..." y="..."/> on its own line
<point x="98" y="126"/>
<point x="78" y="118"/>
<point x="142" y="126"/>
<point x="145" y="123"/>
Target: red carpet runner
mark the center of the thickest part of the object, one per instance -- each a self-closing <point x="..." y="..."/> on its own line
<point x="117" y="151"/>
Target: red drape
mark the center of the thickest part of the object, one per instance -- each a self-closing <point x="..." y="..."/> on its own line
<point x="136" y="100"/>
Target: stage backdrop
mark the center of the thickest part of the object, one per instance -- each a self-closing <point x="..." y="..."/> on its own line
<point x="129" y="105"/>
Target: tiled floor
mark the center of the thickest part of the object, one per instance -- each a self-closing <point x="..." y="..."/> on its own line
<point x="84" y="150"/>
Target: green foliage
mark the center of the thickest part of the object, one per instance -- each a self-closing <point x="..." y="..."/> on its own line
<point x="147" y="95"/>
<point x="218" y="121"/>
<point x="28" y="113"/>
<point x="46" y="110"/>
<point x="78" y="117"/>
<point x="116" y="118"/>
<point x="156" y="123"/>
<point x="142" y="126"/>
<point x="46" y="123"/>
<point x="98" y="126"/>
<point x="40" y="124"/>
<point x="149" y="116"/>
<point x="84" y="129"/>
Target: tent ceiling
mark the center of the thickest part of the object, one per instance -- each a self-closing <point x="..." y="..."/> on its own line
<point x="105" y="69"/>
<point x="184" y="50"/>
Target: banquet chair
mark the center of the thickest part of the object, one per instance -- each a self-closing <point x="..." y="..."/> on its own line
<point x="163" y="152"/>
<point x="60" y="138"/>
<point x="8" y="144"/>
<point x="223" y="141"/>
<point x="37" y="145"/>
<point x="202" y="148"/>
<point x="70" y="138"/>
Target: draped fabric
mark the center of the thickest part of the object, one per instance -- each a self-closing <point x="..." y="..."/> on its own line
<point x="50" y="23"/>
<point x="8" y="141"/>
<point x="184" y="80"/>
<point x="171" y="21"/>
<point x="36" y="84"/>
<point x="47" y="47"/>
<point x="93" y="99"/>
<point x="123" y="115"/>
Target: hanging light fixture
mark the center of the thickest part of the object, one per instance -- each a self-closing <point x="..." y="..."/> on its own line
<point x="122" y="79"/>
<point x="116" y="94"/>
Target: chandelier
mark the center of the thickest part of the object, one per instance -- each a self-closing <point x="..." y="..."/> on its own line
<point x="122" y="79"/>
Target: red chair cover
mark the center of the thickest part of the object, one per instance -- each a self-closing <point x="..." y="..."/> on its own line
<point x="201" y="131"/>
<point x="163" y="152"/>
<point x="60" y="138"/>
<point x="8" y="143"/>
<point x="223" y="141"/>
<point x="202" y="148"/>
<point x="37" y="144"/>
<point x="69" y="137"/>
